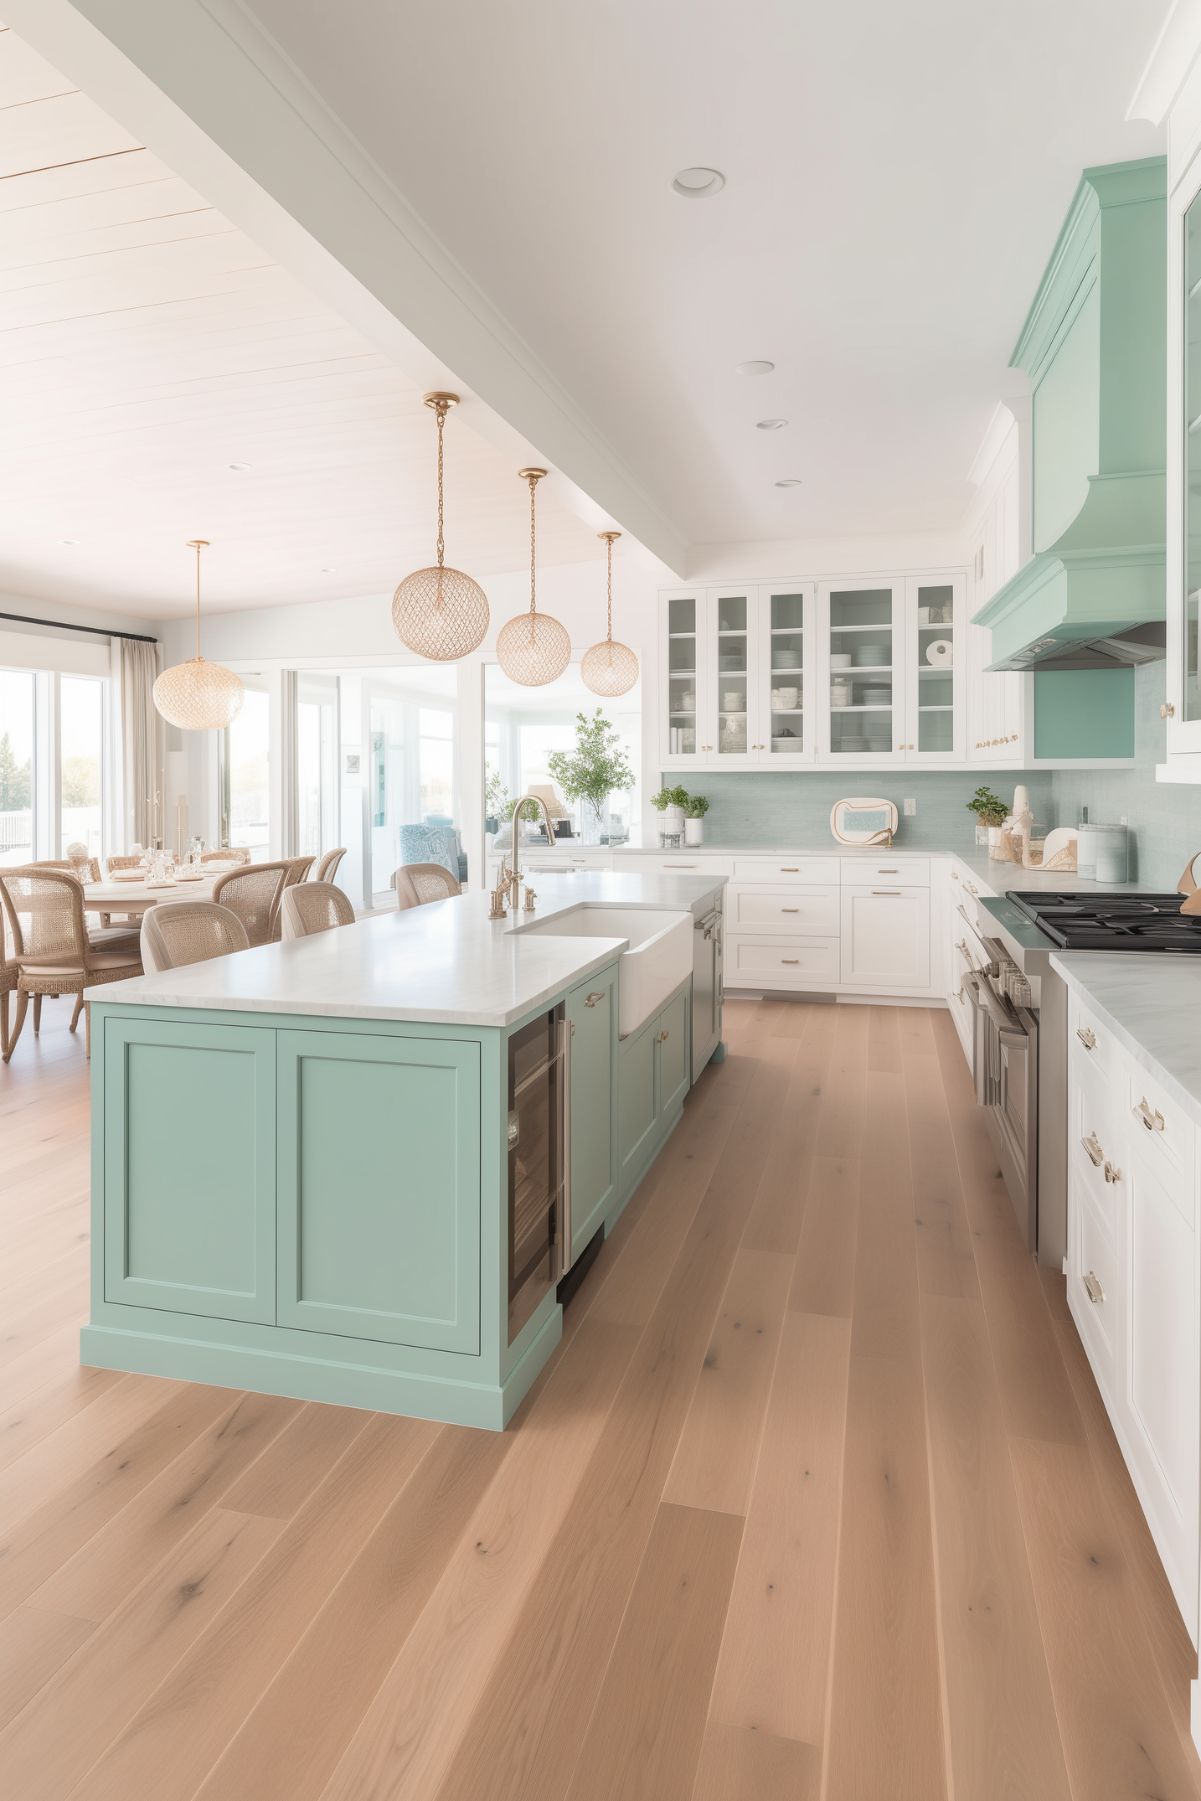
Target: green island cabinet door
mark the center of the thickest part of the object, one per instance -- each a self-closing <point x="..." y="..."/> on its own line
<point x="673" y="1054"/>
<point x="189" y="1168"/>
<point x="379" y="1187"/>
<point x="637" y="1100"/>
<point x="592" y="1023"/>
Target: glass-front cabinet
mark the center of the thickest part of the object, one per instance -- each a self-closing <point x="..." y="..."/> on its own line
<point x="855" y="674"/>
<point x="863" y="628"/>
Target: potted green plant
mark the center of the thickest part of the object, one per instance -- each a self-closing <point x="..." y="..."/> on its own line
<point x="496" y="802"/>
<point x="591" y="772"/>
<point x="695" y="808"/>
<point x="670" y="802"/>
<point x="991" y="813"/>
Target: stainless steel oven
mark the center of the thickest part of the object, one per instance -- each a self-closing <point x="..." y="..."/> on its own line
<point x="1006" y="1074"/>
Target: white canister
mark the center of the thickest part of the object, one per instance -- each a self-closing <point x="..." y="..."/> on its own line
<point x="694" y="831"/>
<point x="1112" y="853"/>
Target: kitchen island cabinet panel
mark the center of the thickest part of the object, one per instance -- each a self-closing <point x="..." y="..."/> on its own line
<point x="379" y="1188"/>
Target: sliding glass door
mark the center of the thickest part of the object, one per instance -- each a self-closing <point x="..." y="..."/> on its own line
<point x="18" y="735"/>
<point x="317" y="759"/>
<point x="81" y="763"/>
<point x="245" y="775"/>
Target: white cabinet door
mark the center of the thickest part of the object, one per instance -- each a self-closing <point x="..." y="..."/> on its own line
<point x="1184" y="482"/>
<point x="886" y="937"/>
<point x="935" y="667"/>
<point x="684" y="686"/>
<point x="1162" y="1397"/>
<point x="785" y="659"/>
<point x="729" y="705"/>
<point x="862" y="630"/>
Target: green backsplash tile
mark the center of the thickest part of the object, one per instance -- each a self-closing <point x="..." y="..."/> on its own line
<point x="748" y="808"/>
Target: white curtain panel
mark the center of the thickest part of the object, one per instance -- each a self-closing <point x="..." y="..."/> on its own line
<point x="141" y="742"/>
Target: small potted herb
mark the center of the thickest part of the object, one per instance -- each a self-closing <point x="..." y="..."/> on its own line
<point x="695" y="808"/>
<point x="991" y="814"/>
<point x="670" y="802"/>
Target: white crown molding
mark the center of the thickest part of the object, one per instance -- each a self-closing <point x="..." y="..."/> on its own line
<point x="997" y="435"/>
<point x="205" y="88"/>
<point x="1174" y="53"/>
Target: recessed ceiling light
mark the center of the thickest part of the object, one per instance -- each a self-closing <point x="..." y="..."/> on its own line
<point x="68" y="540"/>
<point x="329" y="568"/>
<point x="770" y="424"/>
<point x="753" y="368"/>
<point x="239" y="466"/>
<point x="699" y="183"/>
<point x="789" y="481"/>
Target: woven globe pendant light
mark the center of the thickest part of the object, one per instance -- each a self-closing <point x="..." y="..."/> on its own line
<point x="609" y="668"/>
<point x="532" y="648"/>
<point x="197" y="696"/>
<point x="438" y="612"/>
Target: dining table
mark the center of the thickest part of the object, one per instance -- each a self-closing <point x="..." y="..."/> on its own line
<point x="129" y="898"/>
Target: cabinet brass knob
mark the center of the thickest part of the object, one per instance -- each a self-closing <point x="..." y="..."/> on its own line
<point x="1111" y="1173"/>
<point x="1150" y="1116"/>
<point x="663" y="1037"/>
<point x="1167" y="711"/>
<point x="1093" y="1151"/>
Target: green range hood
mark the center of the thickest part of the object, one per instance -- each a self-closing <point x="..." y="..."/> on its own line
<point x="1093" y="595"/>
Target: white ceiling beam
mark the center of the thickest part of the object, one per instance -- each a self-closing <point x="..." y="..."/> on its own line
<point x="211" y="95"/>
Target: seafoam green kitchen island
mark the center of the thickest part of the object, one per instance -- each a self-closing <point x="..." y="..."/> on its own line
<point x="352" y="1168"/>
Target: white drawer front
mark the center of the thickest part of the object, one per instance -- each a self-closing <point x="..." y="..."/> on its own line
<point x="671" y="863"/>
<point x="1093" y="1287"/>
<point x="1157" y="1121"/>
<point x="886" y="937"/>
<point x="796" y="870"/>
<point x="868" y="872"/>
<point x="765" y="962"/>
<point x="801" y="912"/>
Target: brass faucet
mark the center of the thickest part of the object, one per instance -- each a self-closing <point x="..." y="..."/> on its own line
<point x="514" y="879"/>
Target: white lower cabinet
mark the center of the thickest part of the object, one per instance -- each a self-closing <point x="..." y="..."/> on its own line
<point x="886" y="937"/>
<point x="1134" y="1284"/>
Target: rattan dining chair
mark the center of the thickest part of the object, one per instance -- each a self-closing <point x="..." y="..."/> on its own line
<point x="310" y="907"/>
<point x="327" y="869"/>
<point x="418" y="883"/>
<point x="190" y="932"/>
<point x="253" y="894"/>
<point x="226" y="854"/>
<point x="295" y="870"/>
<point x="8" y="978"/>
<point x="51" y="947"/>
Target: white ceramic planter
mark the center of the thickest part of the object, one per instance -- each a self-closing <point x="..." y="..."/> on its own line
<point x="673" y="821"/>
<point x="694" y="831"/>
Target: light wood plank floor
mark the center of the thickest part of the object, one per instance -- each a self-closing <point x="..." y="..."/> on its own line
<point x="817" y="1499"/>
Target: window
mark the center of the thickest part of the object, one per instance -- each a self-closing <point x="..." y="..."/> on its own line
<point x="246" y="775"/>
<point x="317" y="809"/>
<point x="81" y="763"/>
<point x="18" y="714"/>
<point x="524" y="726"/>
<point x="436" y="754"/>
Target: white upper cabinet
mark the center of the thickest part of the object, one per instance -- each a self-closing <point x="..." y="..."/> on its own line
<point x="1000" y="708"/>
<point x="853" y="674"/>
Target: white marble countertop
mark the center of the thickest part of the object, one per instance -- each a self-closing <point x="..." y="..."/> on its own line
<point x="446" y="963"/>
<point x="1153" y="1007"/>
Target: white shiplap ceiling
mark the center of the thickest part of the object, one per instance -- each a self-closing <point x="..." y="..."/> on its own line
<point x="146" y="344"/>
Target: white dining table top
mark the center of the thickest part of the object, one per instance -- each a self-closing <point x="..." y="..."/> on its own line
<point x="134" y="897"/>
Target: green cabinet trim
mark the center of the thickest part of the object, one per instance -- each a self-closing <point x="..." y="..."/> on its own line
<point x="591" y="1024"/>
<point x="654" y="1071"/>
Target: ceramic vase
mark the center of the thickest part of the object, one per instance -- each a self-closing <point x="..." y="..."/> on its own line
<point x="694" y="831"/>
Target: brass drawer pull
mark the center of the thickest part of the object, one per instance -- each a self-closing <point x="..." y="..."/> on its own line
<point x="882" y="871"/>
<point x="887" y="893"/>
<point x="1093" y="1288"/>
<point x="790" y="869"/>
<point x="1087" y="1037"/>
<point x="790" y="909"/>
<point x="1111" y="1173"/>
<point x="1093" y="1151"/>
<point x="1151" y="1117"/>
<point x="790" y="959"/>
<point x="971" y="887"/>
<point x="590" y="1000"/>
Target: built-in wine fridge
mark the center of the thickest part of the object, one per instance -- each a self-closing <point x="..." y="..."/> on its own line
<point x="538" y="1161"/>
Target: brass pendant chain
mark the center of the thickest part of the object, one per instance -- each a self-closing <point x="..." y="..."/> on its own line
<point x="440" y="412"/>
<point x="533" y="476"/>
<point x="198" y="544"/>
<point x="609" y="585"/>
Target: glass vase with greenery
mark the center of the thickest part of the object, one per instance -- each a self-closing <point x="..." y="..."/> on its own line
<point x="596" y="768"/>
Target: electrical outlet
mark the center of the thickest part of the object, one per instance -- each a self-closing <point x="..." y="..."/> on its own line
<point x="910" y="808"/>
